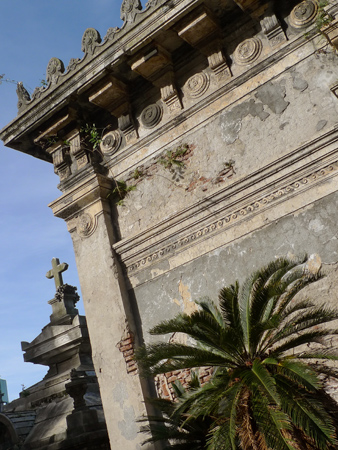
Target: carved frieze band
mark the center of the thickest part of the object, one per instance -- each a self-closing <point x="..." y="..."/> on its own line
<point x="229" y="219"/>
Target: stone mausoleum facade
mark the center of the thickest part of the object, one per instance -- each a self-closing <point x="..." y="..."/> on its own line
<point x="194" y="144"/>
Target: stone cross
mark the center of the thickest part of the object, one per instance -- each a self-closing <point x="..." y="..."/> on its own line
<point x="56" y="271"/>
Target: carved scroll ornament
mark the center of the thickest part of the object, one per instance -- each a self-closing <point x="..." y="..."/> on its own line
<point x="55" y="69"/>
<point x="86" y="225"/>
<point x="90" y="40"/>
<point x="129" y="10"/>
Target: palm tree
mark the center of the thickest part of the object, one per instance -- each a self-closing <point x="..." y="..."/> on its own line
<point x="270" y="360"/>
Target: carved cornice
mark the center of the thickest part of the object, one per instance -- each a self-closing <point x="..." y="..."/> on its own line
<point x="94" y="188"/>
<point x="48" y="100"/>
<point x="255" y="8"/>
<point x="276" y="183"/>
<point x="46" y="348"/>
<point x="201" y="30"/>
<point x="63" y="92"/>
<point x="103" y="57"/>
<point x="257" y="73"/>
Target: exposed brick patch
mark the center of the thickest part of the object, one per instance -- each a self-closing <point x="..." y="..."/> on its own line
<point x="126" y="347"/>
<point x="163" y="382"/>
<point x="196" y="182"/>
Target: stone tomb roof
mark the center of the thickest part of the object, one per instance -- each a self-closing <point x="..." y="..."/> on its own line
<point x="63" y="410"/>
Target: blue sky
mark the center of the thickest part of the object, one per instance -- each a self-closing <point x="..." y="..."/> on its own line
<point x="32" y="32"/>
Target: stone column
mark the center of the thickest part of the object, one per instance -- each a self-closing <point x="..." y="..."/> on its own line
<point x="86" y="210"/>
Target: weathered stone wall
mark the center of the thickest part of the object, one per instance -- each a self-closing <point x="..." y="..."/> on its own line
<point x="252" y="130"/>
<point x="289" y="115"/>
<point x="311" y="230"/>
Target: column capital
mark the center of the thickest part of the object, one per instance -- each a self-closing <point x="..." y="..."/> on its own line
<point x="92" y="194"/>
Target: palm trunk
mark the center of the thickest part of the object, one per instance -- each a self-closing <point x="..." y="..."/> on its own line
<point x="250" y="437"/>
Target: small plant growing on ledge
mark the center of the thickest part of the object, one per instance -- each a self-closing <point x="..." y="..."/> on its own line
<point x="93" y="134"/>
<point x="174" y="157"/>
<point x="52" y="139"/>
<point x="24" y="392"/>
<point x="138" y="173"/>
<point x="227" y="172"/>
<point x="230" y="165"/>
<point x="323" y="20"/>
<point x="120" y="192"/>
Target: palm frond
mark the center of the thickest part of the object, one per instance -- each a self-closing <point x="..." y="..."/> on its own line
<point x="178" y="388"/>
<point x="292" y="289"/>
<point x="258" y="375"/>
<point x="223" y="435"/>
<point x="271" y="422"/>
<point x="211" y="309"/>
<point x="307" y="413"/>
<point x="207" y="400"/>
<point x="163" y="357"/>
<point x="228" y="302"/>
<point x="300" y="373"/>
<point x="204" y="329"/>
<point x="293" y="343"/>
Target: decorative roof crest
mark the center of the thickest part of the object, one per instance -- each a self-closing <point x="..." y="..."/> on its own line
<point x="129" y="10"/>
<point x="111" y="32"/>
<point x="151" y="3"/>
<point x="55" y="68"/>
<point x="23" y="95"/>
<point x="91" y="38"/>
<point x="72" y="64"/>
